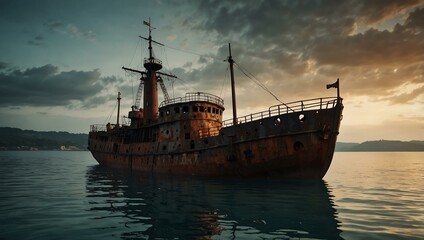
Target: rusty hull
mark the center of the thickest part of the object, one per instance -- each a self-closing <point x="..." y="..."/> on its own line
<point x="296" y="144"/>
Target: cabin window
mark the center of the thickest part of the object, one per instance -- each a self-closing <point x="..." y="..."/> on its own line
<point x="192" y="144"/>
<point x="161" y="114"/>
<point x="177" y="110"/>
<point x="220" y="112"/>
<point x="195" y="109"/>
<point x="187" y="136"/>
<point x="168" y="112"/>
<point x="185" y="109"/>
<point x="213" y="110"/>
<point x="209" y="109"/>
<point x="201" y="109"/>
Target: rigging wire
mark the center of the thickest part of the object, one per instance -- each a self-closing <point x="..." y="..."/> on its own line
<point x="128" y="75"/>
<point x="108" y="119"/>
<point x="224" y="83"/>
<point x="191" y="52"/>
<point x="255" y="80"/>
<point x="135" y="51"/>
<point x="183" y="83"/>
<point x="167" y="63"/>
<point x="132" y="86"/>
<point x="243" y="70"/>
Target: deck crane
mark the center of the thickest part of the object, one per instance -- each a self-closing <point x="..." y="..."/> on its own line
<point x="162" y="86"/>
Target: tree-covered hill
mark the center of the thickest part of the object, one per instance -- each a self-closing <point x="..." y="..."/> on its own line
<point x="382" y="146"/>
<point x="18" y="139"/>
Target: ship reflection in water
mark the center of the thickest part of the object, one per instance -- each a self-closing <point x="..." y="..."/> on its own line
<point x="132" y="206"/>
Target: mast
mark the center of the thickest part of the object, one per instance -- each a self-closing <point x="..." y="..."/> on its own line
<point x="150" y="79"/>
<point x="150" y="98"/>
<point x="233" y="88"/>
<point x="119" y="107"/>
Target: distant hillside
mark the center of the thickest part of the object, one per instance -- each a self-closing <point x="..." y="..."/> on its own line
<point x="345" y="147"/>
<point x="381" y="146"/>
<point x="18" y="139"/>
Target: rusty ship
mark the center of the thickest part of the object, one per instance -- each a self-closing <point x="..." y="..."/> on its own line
<point x="186" y="135"/>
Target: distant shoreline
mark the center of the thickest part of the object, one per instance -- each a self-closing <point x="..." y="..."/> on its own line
<point x="381" y="146"/>
<point x="16" y="139"/>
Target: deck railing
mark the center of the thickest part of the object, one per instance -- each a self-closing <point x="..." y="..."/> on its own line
<point x="98" y="128"/>
<point x="152" y="60"/>
<point x="104" y="127"/>
<point x="298" y="106"/>
<point x="195" y="96"/>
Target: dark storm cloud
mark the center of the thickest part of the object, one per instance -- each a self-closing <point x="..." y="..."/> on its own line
<point x="378" y="10"/>
<point x="403" y="45"/>
<point x="47" y="86"/>
<point x="36" y="41"/>
<point x="4" y="65"/>
<point x="291" y="39"/>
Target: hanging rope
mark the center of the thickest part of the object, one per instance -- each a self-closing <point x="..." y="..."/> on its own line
<point x="260" y="84"/>
<point x="255" y="80"/>
<point x="183" y="83"/>
<point x="224" y="84"/>
<point x="194" y="53"/>
<point x="108" y="119"/>
<point x="136" y="47"/>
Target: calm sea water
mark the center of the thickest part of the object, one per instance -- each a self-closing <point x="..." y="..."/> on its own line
<point x="66" y="195"/>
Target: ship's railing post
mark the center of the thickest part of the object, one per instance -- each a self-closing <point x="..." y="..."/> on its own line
<point x="320" y="103"/>
<point x="301" y="105"/>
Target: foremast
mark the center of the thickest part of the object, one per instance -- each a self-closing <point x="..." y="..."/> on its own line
<point x="150" y="80"/>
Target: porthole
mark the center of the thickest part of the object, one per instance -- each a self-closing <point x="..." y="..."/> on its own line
<point x="298" y="146"/>
<point x="277" y="122"/>
<point x="301" y="117"/>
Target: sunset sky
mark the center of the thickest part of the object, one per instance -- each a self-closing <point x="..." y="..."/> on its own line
<point x="60" y="61"/>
